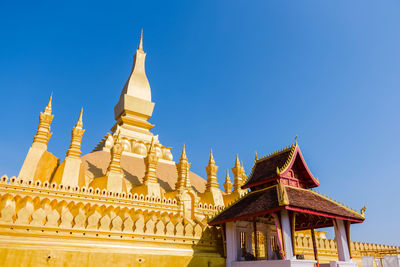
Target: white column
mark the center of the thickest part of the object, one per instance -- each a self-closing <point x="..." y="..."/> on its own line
<point x="231" y="243"/>
<point x="391" y="261"/>
<point x="341" y="240"/>
<point x="367" y="261"/>
<point x="270" y="252"/>
<point x="287" y="234"/>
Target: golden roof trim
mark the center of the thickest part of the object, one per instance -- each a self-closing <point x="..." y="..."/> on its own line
<point x="288" y="161"/>
<point x="268" y="156"/>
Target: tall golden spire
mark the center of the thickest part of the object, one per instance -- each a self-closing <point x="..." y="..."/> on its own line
<point x="228" y="183"/>
<point x="182" y="168"/>
<point x="74" y="150"/>
<point x="134" y="107"/>
<point x="211" y="170"/>
<point x="43" y="133"/>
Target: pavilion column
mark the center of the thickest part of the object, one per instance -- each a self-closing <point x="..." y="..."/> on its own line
<point x="249" y="242"/>
<point x="255" y="238"/>
<point x="341" y="240"/>
<point x="231" y="243"/>
<point x="315" y="248"/>
<point x="287" y="234"/>
<point x="270" y="252"/>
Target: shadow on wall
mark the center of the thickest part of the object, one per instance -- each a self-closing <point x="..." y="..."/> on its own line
<point x="165" y="185"/>
<point x="209" y="251"/>
<point x="133" y="179"/>
<point x="97" y="172"/>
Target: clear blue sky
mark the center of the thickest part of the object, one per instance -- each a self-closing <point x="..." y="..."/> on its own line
<point x="234" y="76"/>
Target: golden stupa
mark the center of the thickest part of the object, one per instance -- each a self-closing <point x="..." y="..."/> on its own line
<point x="127" y="203"/>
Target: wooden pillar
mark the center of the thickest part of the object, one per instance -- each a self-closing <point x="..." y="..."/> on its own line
<point x="255" y="237"/>
<point x="314" y="242"/>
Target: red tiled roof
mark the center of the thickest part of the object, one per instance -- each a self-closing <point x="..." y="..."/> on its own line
<point x="309" y="200"/>
<point x="287" y="165"/>
<point x="266" y="168"/>
<point x="252" y="203"/>
<point x="265" y="201"/>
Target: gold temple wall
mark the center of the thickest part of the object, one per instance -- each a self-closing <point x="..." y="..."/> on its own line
<point x="49" y="225"/>
<point x="327" y="250"/>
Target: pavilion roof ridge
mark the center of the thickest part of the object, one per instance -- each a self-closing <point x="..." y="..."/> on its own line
<point x="361" y="214"/>
<point x="277" y="152"/>
<point x="288" y="161"/>
<point x="292" y="148"/>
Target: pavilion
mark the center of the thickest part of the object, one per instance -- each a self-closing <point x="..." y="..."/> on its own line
<point x="259" y="228"/>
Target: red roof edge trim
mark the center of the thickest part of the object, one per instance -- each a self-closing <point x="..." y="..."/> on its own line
<point x="259" y="182"/>
<point x="248" y="216"/>
<point x="298" y="153"/>
<point x="323" y="214"/>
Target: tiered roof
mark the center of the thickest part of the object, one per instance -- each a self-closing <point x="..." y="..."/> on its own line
<point x="280" y="181"/>
<point x="287" y="165"/>
<point x="279" y="197"/>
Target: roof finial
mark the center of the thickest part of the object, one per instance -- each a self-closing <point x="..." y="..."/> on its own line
<point x="256" y="156"/>
<point x="362" y="211"/>
<point x="47" y="110"/>
<point x="227" y="178"/>
<point x="183" y="155"/>
<point x="295" y="139"/>
<point x="141" y="41"/>
<point x="237" y="162"/>
<point x="211" y="160"/>
<point x="79" y="123"/>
